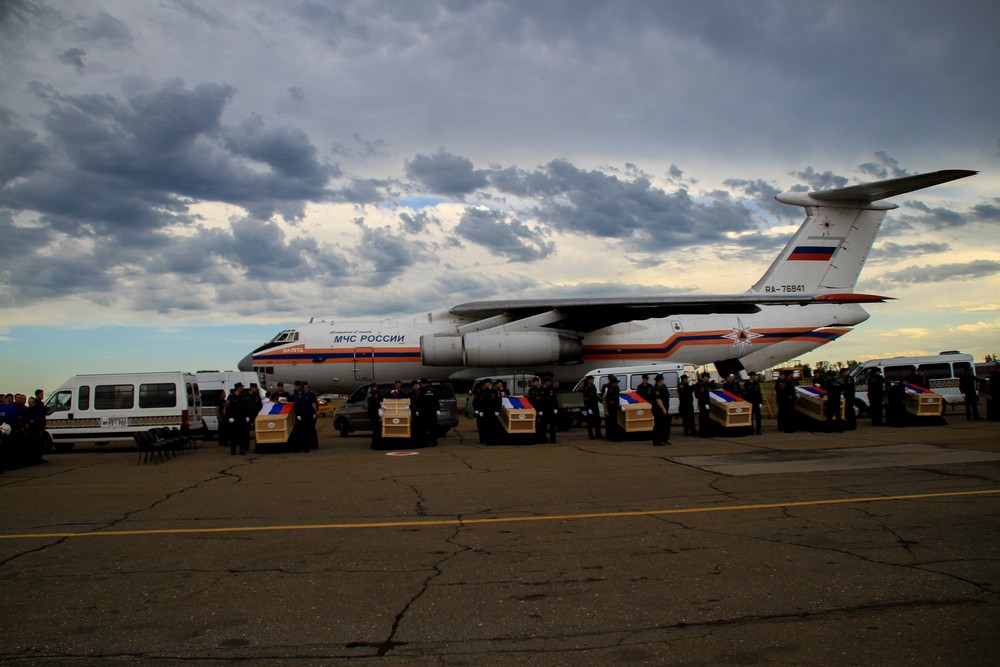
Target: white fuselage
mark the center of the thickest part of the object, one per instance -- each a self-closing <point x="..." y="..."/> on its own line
<point x="338" y="356"/>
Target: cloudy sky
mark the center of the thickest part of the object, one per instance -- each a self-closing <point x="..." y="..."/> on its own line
<point x="181" y="179"/>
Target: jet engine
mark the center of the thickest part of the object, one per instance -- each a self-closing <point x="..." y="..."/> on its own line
<point x="510" y="348"/>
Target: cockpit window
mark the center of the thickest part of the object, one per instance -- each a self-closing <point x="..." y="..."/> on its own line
<point x="286" y="336"/>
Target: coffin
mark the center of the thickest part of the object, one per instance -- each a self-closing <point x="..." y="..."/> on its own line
<point x="923" y="402"/>
<point x="811" y="402"/>
<point x="274" y="423"/>
<point x="728" y="409"/>
<point x="396" y="418"/>
<point x="635" y="414"/>
<point x="517" y="415"/>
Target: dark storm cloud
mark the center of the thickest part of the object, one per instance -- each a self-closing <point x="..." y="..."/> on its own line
<point x="627" y="207"/>
<point x="385" y="254"/>
<point x="73" y="57"/>
<point x="445" y="173"/>
<point x="114" y="164"/>
<point x="894" y="252"/>
<point x="503" y="235"/>
<point x="817" y="181"/>
<point x="915" y="275"/>
<point x="987" y="212"/>
<point x="103" y="28"/>
<point x="416" y="223"/>
<point x="883" y="167"/>
<point x="761" y="194"/>
<point x="20" y="151"/>
<point x="938" y="217"/>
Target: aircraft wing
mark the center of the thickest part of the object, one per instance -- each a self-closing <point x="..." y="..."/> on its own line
<point x="590" y="314"/>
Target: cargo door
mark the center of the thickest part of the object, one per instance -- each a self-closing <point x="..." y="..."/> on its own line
<point x="364" y="363"/>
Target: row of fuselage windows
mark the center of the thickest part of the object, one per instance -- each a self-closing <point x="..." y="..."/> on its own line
<point x="118" y="397"/>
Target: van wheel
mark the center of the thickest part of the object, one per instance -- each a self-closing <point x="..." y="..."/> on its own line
<point x="341" y="425"/>
<point x="860" y="409"/>
<point x="63" y="446"/>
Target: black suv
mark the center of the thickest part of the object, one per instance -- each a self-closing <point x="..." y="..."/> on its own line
<point x="353" y="414"/>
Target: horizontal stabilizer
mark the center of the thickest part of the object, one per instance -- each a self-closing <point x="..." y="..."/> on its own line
<point x="870" y="192"/>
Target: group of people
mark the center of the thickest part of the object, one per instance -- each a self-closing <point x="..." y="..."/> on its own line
<point x="23" y="439"/>
<point x="657" y="394"/>
<point x="238" y="410"/>
<point x="424" y="406"/>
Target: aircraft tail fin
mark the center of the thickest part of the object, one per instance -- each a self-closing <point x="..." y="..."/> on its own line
<point x="830" y="248"/>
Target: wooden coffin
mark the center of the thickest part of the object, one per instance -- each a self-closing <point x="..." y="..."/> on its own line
<point x="396" y="421"/>
<point x="274" y="423"/>
<point x="728" y="409"/>
<point x="923" y="402"/>
<point x="635" y="414"/>
<point x="812" y="401"/>
<point x="517" y="415"/>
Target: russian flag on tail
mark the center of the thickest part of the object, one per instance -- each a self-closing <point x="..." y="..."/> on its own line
<point x="811" y="253"/>
<point x="517" y="402"/>
<point x="631" y="398"/>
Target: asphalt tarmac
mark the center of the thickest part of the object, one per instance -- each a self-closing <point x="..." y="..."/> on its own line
<point x="877" y="546"/>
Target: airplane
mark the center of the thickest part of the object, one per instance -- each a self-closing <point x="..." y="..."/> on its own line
<point x="804" y="300"/>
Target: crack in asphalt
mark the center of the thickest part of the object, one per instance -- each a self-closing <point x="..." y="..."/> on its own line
<point x="222" y="474"/>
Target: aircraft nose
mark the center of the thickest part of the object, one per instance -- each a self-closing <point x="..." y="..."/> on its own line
<point x="246" y="363"/>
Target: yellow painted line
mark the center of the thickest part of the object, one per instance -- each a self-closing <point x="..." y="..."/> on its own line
<point x="510" y="519"/>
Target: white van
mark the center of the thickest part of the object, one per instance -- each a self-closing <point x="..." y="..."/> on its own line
<point x="114" y="407"/>
<point x="630" y="377"/>
<point x="516" y="383"/>
<point x="211" y="385"/>
<point x="941" y="370"/>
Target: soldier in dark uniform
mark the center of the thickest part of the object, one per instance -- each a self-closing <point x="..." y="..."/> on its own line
<point x="993" y="404"/>
<point x="876" y="395"/>
<point x="237" y="414"/>
<point x="661" y="412"/>
<point x="784" y="397"/>
<point x="591" y="408"/>
<point x="306" y="410"/>
<point x="501" y="389"/>
<point x="751" y="393"/>
<point x="417" y="427"/>
<point x="547" y="409"/>
<point x="967" y="386"/>
<point x="397" y="390"/>
<point x="896" y="413"/>
<point x="702" y="396"/>
<point x="429" y="406"/>
<point x="612" y="404"/>
<point x="374" y="405"/>
<point x="487" y="407"/>
<point x="847" y="387"/>
<point x="918" y="378"/>
<point x="534" y="397"/>
<point x="685" y="393"/>
<point x="732" y="385"/>
<point x="834" y="393"/>
<point x="280" y="393"/>
<point x="645" y="390"/>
